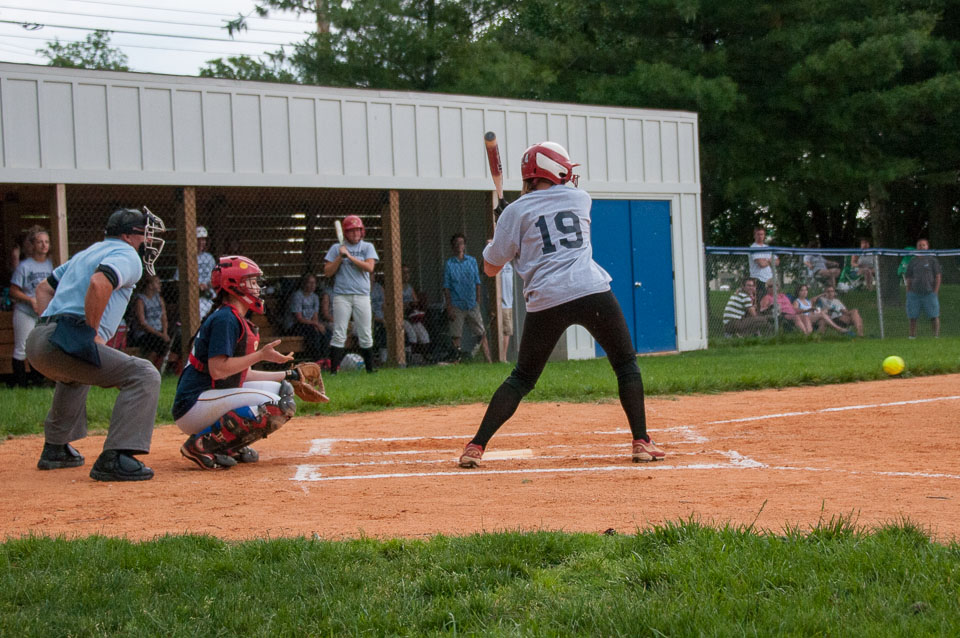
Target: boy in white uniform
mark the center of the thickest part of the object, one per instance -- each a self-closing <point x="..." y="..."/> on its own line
<point x="547" y="233"/>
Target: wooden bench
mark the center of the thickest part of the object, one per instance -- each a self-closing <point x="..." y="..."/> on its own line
<point x="288" y="343"/>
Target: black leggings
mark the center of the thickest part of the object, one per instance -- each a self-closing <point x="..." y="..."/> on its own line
<point x="600" y="314"/>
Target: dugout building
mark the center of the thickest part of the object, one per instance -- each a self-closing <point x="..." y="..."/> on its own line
<point x="267" y="168"/>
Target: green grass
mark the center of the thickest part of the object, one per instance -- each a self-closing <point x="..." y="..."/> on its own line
<point x="682" y="578"/>
<point x="739" y="365"/>
<point x="677" y="579"/>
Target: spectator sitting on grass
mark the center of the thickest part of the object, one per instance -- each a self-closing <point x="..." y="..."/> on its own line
<point x="812" y="315"/>
<point x="787" y="311"/>
<point x="740" y="317"/>
<point x="838" y="312"/>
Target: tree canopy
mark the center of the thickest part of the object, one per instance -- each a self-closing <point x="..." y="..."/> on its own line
<point x="821" y="119"/>
<point x="94" y="52"/>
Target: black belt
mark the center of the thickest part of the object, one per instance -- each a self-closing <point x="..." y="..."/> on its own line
<point x="53" y="318"/>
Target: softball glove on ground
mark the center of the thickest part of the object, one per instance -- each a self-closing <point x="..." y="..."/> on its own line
<point x="307" y="382"/>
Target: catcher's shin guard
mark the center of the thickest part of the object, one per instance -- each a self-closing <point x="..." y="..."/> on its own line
<point x="239" y="428"/>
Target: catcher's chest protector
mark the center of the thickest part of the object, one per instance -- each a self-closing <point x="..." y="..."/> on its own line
<point x="247" y="343"/>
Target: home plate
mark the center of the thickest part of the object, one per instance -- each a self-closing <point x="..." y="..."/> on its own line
<point x="507" y="454"/>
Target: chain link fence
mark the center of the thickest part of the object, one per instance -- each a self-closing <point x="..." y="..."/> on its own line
<point x="871" y="285"/>
<point x="288" y="232"/>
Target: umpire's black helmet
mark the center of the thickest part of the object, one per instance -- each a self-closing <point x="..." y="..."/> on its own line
<point x="126" y="221"/>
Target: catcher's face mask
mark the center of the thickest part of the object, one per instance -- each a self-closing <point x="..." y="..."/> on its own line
<point x="152" y="245"/>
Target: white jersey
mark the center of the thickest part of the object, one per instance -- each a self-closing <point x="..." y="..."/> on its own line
<point x="548" y="232"/>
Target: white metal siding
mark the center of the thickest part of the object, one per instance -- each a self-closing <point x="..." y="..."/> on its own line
<point x="79" y="126"/>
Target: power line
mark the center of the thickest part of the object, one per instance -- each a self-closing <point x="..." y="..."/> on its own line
<point x="140" y="46"/>
<point x="157" y="35"/>
<point x="11" y="48"/>
<point x="209" y="13"/>
<point x="190" y="24"/>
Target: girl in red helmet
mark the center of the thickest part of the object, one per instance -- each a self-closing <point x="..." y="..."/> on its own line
<point x="221" y="401"/>
<point x="349" y="265"/>
<point x="546" y="233"/>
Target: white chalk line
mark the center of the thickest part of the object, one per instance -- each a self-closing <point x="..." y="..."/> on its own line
<point x="453" y="459"/>
<point x="309" y="473"/>
<point x="868" y="406"/>
<point x="457" y="451"/>
<point x="323" y="447"/>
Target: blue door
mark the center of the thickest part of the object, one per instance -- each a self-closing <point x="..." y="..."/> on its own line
<point x="631" y="240"/>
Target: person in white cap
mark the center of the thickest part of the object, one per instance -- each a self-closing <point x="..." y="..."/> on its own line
<point x="205" y="265"/>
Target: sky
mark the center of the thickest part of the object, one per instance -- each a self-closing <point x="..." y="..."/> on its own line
<point x="197" y="25"/>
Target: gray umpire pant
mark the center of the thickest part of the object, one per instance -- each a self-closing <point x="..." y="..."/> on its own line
<point x="134" y="413"/>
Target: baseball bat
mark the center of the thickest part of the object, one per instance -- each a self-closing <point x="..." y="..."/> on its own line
<point x="339" y="228"/>
<point x="496" y="166"/>
<point x="169" y="349"/>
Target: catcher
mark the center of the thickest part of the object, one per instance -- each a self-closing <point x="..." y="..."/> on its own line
<point x="222" y="402"/>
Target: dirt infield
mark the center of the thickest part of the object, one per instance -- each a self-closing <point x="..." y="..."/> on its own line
<point x="878" y="451"/>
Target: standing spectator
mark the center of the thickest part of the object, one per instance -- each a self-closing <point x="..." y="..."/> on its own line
<point x="461" y="289"/>
<point x="205" y="265"/>
<point x="740" y="316"/>
<point x="82" y="303"/>
<point x="865" y="266"/>
<point x="923" y="278"/>
<point x="150" y="332"/>
<point x="34" y="267"/>
<point x="350" y="265"/>
<point x="837" y="311"/>
<point x="303" y="319"/>
<point x="761" y="264"/>
<point x="821" y="268"/>
<point x="506" y="307"/>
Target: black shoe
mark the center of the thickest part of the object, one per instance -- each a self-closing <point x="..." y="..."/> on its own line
<point x="55" y="457"/>
<point x="118" y="465"/>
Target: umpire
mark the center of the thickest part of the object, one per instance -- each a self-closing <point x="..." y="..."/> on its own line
<point x="84" y="301"/>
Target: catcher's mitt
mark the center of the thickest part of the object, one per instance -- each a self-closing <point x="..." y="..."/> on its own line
<point x="307" y="382"/>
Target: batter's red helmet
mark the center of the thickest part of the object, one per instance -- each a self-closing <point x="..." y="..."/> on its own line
<point x="352" y="221"/>
<point x="239" y="276"/>
<point x="550" y="161"/>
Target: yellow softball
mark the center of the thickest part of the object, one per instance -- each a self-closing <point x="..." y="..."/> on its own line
<point x="893" y="365"/>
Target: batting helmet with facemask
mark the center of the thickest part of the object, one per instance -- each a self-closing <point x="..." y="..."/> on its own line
<point x="240" y="277"/>
<point x="549" y="161"/>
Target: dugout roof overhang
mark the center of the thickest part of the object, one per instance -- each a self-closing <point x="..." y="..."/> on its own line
<point x="78" y="126"/>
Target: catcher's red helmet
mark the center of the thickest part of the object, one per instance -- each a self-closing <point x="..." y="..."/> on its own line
<point x="550" y="161"/>
<point x="239" y="276"/>
<point x="352" y="221"/>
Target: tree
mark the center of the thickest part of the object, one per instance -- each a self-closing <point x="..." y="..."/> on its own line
<point x="244" y="67"/>
<point x="94" y="52"/>
<point x="386" y="44"/>
<point x="818" y="118"/>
